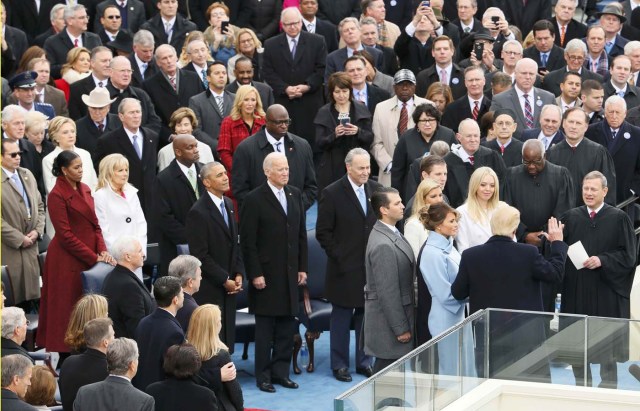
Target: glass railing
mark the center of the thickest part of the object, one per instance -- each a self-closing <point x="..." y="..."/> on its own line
<point x="506" y="345"/>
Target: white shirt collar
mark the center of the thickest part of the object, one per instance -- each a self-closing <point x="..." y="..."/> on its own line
<point x="471" y="101"/>
<point x="391" y="227"/>
<point x="9" y="173"/>
<point x="272" y="140"/>
<point x="354" y="186"/>
<point x="172" y="21"/>
<point x="186" y="169"/>
<point x="217" y="201"/>
<point x="275" y="189"/>
<point x="521" y="93"/>
<point x="408" y="102"/>
<point x="597" y="210"/>
<point x="120" y="376"/>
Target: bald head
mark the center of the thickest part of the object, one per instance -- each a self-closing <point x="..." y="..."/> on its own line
<point x="526" y="72"/>
<point x="185" y="147"/>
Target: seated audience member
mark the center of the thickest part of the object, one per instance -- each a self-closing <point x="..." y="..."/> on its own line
<point x="179" y="391"/>
<point x="429" y="192"/>
<point x="217" y="373"/>
<point x="116" y="391"/>
<point x="14" y="332"/>
<point x="42" y="391"/>
<point x="159" y="331"/>
<point x="509" y="148"/>
<point x="129" y="299"/>
<point x="91" y="365"/>
<point x="89" y="307"/>
<point x="16" y="379"/>
<point x="187" y="269"/>
<point x="482" y="202"/>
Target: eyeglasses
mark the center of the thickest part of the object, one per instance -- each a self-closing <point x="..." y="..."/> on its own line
<point x="281" y="122"/>
<point x="533" y="162"/>
<point x="511" y="53"/>
<point x="218" y="14"/>
<point x="114" y="17"/>
<point x="292" y="24"/>
<point x="246" y="41"/>
<point x="575" y="58"/>
<point x="14" y="155"/>
<point x="427" y="120"/>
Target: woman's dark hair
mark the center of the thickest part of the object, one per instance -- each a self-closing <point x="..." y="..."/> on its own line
<point x="434" y="215"/>
<point x="64" y="159"/>
<point x="486" y="123"/>
<point x="339" y="80"/>
<point x="182" y="361"/>
<point x="427" y="109"/>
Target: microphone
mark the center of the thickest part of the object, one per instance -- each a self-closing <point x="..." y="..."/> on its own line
<point x="634" y="370"/>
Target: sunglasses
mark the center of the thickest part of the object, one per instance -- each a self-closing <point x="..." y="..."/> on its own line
<point x="114" y="17"/>
<point x="16" y="154"/>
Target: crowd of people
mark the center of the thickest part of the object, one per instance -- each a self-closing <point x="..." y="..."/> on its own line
<point x="483" y="130"/>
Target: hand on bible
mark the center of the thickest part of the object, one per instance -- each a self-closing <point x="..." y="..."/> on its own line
<point x="592" y="263"/>
<point x="554" y="230"/>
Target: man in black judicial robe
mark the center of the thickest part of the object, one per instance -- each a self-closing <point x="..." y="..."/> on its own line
<point x="580" y="155"/>
<point x="539" y="190"/>
<point x="504" y="125"/>
<point x="603" y="285"/>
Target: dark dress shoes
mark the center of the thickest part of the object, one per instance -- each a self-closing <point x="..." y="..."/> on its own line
<point x="266" y="387"/>
<point x="366" y="371"/>
<point x="285" y="382"/>
<point x="342" y="374"/>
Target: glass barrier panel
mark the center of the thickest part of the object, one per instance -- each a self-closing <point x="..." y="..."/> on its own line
<point x="359" y="398"/>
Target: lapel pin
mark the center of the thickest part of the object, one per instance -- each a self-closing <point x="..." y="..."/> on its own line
<point x="131" y="9"/>
<point x="627" y="135"/>
<point x="455" y="80"/>
<point x="539" y="102"/>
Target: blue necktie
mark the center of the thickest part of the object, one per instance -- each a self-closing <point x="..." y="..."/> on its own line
<point x="282" y="200"/>
<point x="136" y="147"/>
<point x="621" y="93"/>
<point x="362" y="199"/>
<point x="205" y="82"/>
<point x="544" y="59"/>
<point x="21" y="190"/>
<point x="223" y="210"/>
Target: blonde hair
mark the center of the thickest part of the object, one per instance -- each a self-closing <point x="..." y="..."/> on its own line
<point x="476" y="212"/>
<point x="204" y="329"/>
<point x="89" y="307"/>
<point x="35" y="120"/>
<point x="72" y="56"/>
<point x="505" y="220"/>
<point x="55" y="125"/>
<point x="250" y="32"/>
<point x="424" y="188"/>
<point x="241" y="94"/>
<point x="107" y="168"/>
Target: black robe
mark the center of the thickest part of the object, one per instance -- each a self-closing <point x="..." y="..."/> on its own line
<point x="588" y="156"/>
<point x="605" y="291"/>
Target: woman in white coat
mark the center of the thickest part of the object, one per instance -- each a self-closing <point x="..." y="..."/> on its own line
<point x="117" y="204"/>
<point x="482" y="202"/>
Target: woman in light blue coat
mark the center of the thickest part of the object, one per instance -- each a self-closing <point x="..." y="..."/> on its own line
<point x="439" y="262"/>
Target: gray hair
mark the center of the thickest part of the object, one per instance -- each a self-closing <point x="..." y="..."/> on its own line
<point x="358" y="151"/>
<point x="126" y="100"/>
<point x="54" y="10"/>
<point x="15" y="365"/>
<point x="467" y="121"/>
<point x="184" y="267"/>
<point x="348" y="20"/>
<point x="270" y="158"/>
<point x="162" y="47"/>
<point x="491" y="10"/>
<point x="631" y="46"/>
<point x="69" y="11"/>
<point x="513" y="43"/>
<point x="144" y="38"/>
<point x="615" y="99"/>
<point x="526" y="60"/>
<point x="594" y="175"/>
<point x="12" y="317"/>
<point x="533" y="144"/>
<point x="474" y="3"/>
<point x="575" y="45"/>
<point x="208" y="168"/>
<point x="99" y="49"/>
<point x="548" y="107"/>
<point x="11" y="111"/>
<point x="368" y="20"/>
<point x="120" y="353"/>
<point x="124" y="245"/>
<point x="294" y="10"/>
<point x="439" y="148"/>
<point x="119" y="59"/>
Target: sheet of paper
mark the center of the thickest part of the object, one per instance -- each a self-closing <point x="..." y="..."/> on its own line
<point x="577" y="254"/>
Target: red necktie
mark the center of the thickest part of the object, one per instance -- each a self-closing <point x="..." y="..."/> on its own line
<point x="476" y="110"/>
<point x="471" y="160"/>
<point x="100" y="127"/>
<point x="404" y="119"/>
<point x="592" y="215"/>
<point x="501" y="149"/>
<point x="563" y="32"/>
<point x="75" y="43"/>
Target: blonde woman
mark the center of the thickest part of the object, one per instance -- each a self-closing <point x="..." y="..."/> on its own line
<point x="62" y="132"/>
<point x="117" y="204"/>
<point x="77" y="67"/>
<point x="35" y="130"/>
<point x="482" y="202"/>
<point x="247" y="45"/>
<point x="429" y="192"/>
<point x="217" y="372"/>
<point x="89" y="307"/>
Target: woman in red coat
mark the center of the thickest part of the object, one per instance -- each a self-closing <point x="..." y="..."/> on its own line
<point x="246" y="118"/>
<point x="76" y="246"/>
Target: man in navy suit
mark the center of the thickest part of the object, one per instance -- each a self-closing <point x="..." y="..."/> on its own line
<point x="473" y="104"/>
<point x="618" y="83"/>
<point x="101" y="58"/>
<point x="622" y="140"/>
<point x="611" y="20"/>
<point x="159" y="331"/>
<point x="313" y="24"/>
<point x="466" y="22"/>
<point x="132" y="14"/>
<point x="187" y="269"/>
<point x="371" y="37"/>
<point x="168" y="26"/>
<point x="549" y="131"/>
<point x="575" y="54"/>
<point x="369" y="94"/>
<point x="24" y="86"/>
<point x="142" y="57"/>
<point x="567" y="28"/>
<point x="544" y="52"/>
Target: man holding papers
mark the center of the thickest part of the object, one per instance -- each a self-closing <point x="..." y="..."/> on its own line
<point x="601" y="284"/>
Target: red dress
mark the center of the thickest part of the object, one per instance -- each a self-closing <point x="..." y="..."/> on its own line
<point x="74" y="248"/>
<point x="62" y="85"/>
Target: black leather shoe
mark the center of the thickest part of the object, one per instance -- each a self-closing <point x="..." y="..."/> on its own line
<point x="367" y="371"/>
<point x="285" y="382"/>
<point x="342" y="374"/>
<point x="266" y="387"/>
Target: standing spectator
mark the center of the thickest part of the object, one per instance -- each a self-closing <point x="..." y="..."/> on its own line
<point x="544" y="52"/>
<point x="341" y="125"/>
<point x="183" y="122"/>
<point x="565" y="24"/>
<point x="89" y="307"/>
<point x="129" y="298"/>
<point x="429" y="192"/>
<point x="264" y="17"/>
<point x="274" y="137"/>
<point x="14" y="44"/>
<point x="603" y="288"/>
<point x="598" y="60"/>
<point x="108" y="26"/>
<point x="369" y="94"/>
<point x="217" y="373"/>
<point x="22" y="225"/>
<point x="213" y="239"/>
<point x="525" y="15"/>
<point x="91" y="365"/>
<point x="619" y="82"/>
<point x="345" y="219"/>
<point x="159" y="330"/>
<point x="549" y="132"/>
<point x="100" y="63"/>
<point x="473" y="104"/>
<point x="141" y="59"/>
<point x="14" y="332"/>
<point x="335" y="12"/>
<point x="441" y="96"/>
<point x="188" y="269"/>
<point x="273" y="223"/>
<point x="46" y="93"/>
<point x="23" y="86"/>
<point x="244" y="75"/>
<point x="116" y="391"/>
<point x="294" y="65"/>
<point x="467" y="22"/>
<point x="247" y="45"/>
<point x="443" y="70"/>
<point x="16" y="380"/>
<point x="35" y="128"/>
<point x="76" y="68"/>
<point x="388" y="32"/>
<point x="611" y="19"/>
<point x="575" y="54"/>
<point x="389" y="263"/>
<point x="632" y="50"/>
<point x="77" y="245"/>
<point x="73" y="35"/>
<point x="313" y="23"/>
<point x="509" y="148"/>
<point x="168" y="26"/>
<point x="592" y="96"/>
<point x="56" y="24"/>
<point x="500" y="29"/>
<point x="221" y="42"/>
<point x="91" y="127"/>
<point x="131" y="12"/>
